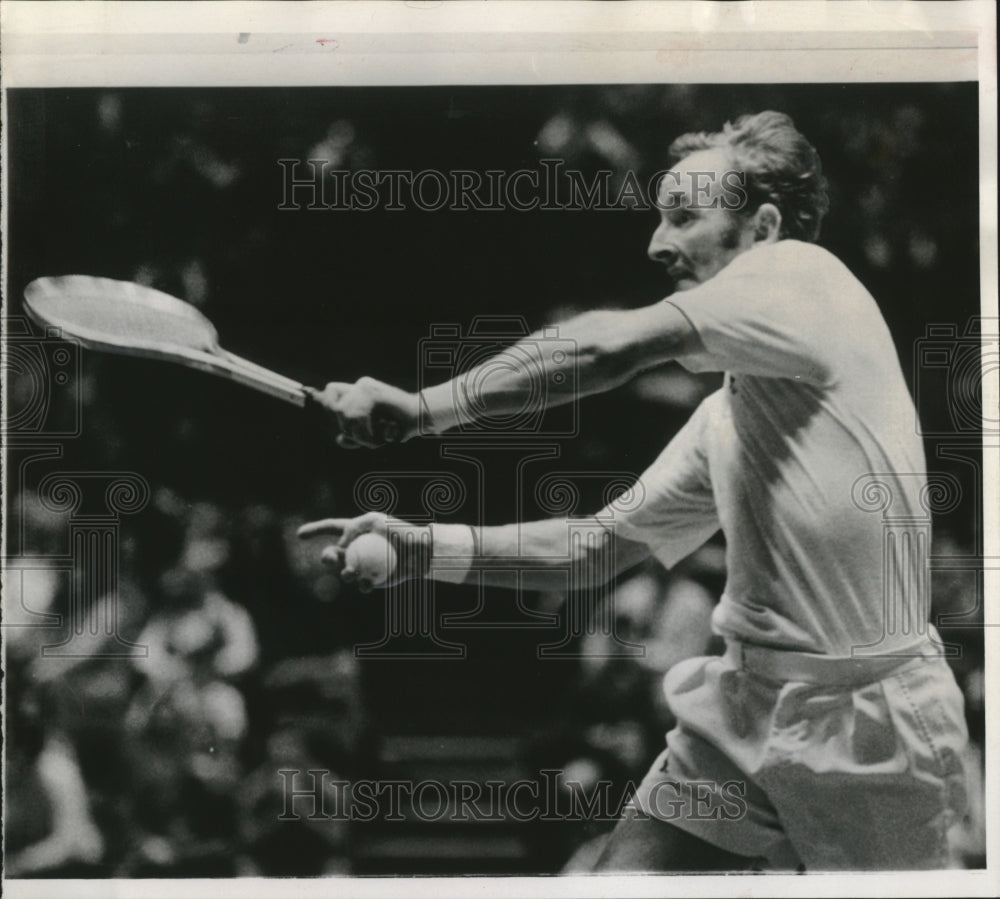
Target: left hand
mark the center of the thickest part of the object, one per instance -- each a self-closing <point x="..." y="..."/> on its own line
<point x="411" y="542"/>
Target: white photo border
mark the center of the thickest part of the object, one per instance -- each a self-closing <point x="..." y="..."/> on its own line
<point x="213" y="44"/>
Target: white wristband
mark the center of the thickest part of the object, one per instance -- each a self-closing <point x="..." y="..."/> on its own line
<point x="453" y="547"/>
<point x="440" y="407"/>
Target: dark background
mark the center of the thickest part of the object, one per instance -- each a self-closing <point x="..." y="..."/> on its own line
<point x="180" y="189"/>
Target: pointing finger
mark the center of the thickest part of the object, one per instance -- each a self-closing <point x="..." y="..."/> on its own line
<point x="388" y="431"/>
<point x="330" y="527"/>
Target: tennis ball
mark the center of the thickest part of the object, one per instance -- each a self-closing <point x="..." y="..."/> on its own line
<point x="372" y="557"/>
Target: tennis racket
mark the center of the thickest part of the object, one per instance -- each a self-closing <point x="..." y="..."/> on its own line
<point x="133" y="320"/>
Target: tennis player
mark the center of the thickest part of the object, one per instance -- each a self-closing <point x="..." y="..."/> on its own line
<point x="843" y="733"/>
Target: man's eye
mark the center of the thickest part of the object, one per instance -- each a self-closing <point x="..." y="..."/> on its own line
<point x="680" y="216"/>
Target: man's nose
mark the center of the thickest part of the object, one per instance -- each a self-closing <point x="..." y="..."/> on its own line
<point x="661" y="248"/>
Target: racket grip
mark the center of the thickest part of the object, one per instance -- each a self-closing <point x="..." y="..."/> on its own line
<point x="387" y="431"/>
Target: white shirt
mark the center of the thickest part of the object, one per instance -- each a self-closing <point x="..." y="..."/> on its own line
<point x="813" y="408"/>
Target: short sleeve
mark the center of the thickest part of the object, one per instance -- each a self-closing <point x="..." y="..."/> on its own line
<point x="672" y="509"/>
<point x="768" y="314"/>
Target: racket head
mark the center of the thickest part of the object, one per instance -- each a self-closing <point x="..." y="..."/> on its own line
<point x="134" y="320"/>
<point x="120" y="316"/>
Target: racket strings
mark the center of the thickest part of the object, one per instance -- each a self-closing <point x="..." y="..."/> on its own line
<point x="125" y="317"/>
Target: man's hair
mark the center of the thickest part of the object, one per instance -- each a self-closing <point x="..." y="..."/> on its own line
<point x="779" y="166"/>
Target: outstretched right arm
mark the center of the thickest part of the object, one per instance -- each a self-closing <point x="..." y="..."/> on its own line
<point x="602" y="349"/>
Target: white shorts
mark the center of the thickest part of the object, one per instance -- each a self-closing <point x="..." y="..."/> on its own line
<point x="861" y="771"/>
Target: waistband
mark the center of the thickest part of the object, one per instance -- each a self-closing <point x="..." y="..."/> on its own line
<point x="813" y="668"/>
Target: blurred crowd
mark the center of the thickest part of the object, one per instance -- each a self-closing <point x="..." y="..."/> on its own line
<point x="166" y="763"/>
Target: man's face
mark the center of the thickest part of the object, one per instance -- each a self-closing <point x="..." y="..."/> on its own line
<point x="698" y="235"/>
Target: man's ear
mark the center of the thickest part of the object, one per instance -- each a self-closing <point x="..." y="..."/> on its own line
<point x="766" y="223"/>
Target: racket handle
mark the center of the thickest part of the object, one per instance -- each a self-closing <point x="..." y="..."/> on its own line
<point x="250" y="374"/>
<point x="387" y="431"/>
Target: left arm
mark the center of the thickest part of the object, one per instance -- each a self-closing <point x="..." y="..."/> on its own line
<point x="543" y="552"/>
